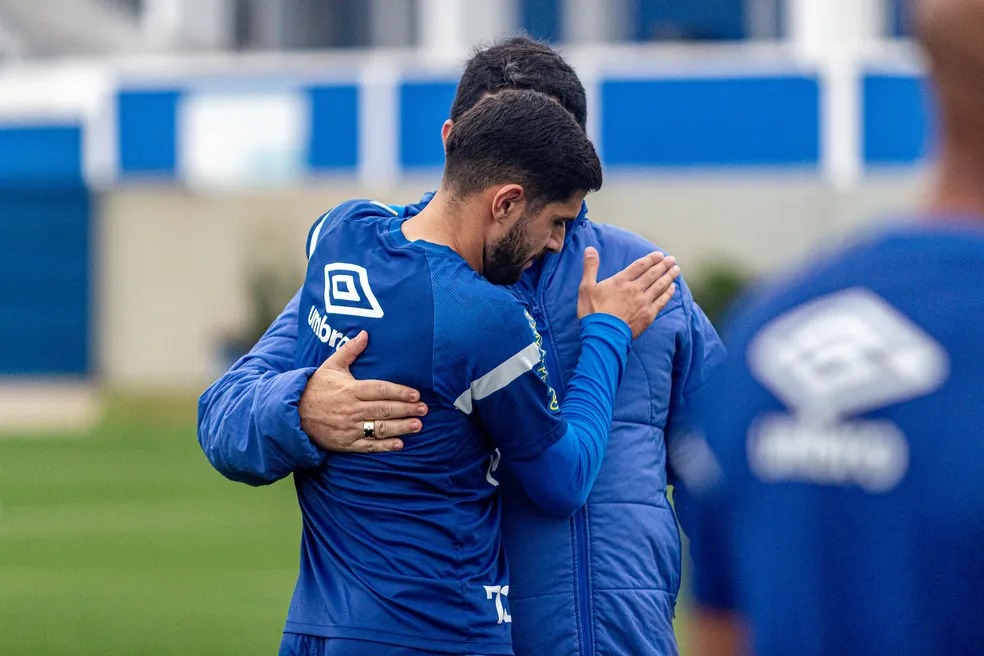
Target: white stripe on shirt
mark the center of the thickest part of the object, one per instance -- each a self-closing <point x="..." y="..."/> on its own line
<point x="385" y="207"/>
<point x="499" y="377"/>
<point x="321" y="224"/>
<point x="316" y="234"/>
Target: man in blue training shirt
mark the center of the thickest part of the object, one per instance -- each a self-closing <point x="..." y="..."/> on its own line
<point x="843" y="490"/>
<point x="602" y="581"/>
<point x="402" y="552"/>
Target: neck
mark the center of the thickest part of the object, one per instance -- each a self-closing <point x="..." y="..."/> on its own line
<point x="442" y="221"/>
<point x="959" y="188"/>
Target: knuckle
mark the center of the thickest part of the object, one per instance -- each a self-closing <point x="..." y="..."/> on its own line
<point x="370" y="448"/>
<point x="381" y="429"/>
<point x="380" y="390"/>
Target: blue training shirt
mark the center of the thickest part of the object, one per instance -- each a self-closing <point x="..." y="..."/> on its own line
<point x="403" y="548"/>
<point x="843" y="509"/>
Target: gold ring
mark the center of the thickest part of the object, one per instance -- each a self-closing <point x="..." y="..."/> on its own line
<point x="369" y="429"/>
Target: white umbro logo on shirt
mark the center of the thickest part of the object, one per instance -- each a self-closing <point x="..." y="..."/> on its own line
<point x="828" y="360"/>
<point x="347" y="291"/>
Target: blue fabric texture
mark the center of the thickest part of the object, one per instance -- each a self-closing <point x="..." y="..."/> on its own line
<point x="845" y="509"/>
<point x="604" y="581"/>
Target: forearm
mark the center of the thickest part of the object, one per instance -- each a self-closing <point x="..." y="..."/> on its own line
<point x="560" y="477"/>
<point x="248" y="423"/>
<point x="249" y="426"/>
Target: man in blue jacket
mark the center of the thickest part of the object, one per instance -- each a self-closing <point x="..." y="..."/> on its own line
<point x="840" y="505"/>
<point x="603" y="582"/>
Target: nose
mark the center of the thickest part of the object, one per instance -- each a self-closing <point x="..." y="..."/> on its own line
<point x="556" y="242"/>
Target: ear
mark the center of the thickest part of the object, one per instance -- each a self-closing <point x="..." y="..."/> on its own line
<point x="508" y="204"/>
<point x="445" y="131"/>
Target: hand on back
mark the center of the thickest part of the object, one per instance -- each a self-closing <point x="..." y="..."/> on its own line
<point x="636" y="294"/>
<point x="334" y="406"/>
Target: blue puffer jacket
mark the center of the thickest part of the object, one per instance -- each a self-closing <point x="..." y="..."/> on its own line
<point x="606" y="581"/>
<point x="602" y="582"/>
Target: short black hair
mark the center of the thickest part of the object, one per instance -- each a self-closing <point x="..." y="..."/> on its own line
<point x="520" y="63"/>
<point x="522" y="137"/>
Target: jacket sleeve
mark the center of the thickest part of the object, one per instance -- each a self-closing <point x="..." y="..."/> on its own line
<point x="248" y="423"/>
<point x="700" y="355"/>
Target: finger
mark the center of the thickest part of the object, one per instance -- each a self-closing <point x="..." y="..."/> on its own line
<point x="345" y="357"/>
<point x="664" y="282"/>
<point x="376" y="446"/>
<point x="655" y="272"/>
<point x="390" y="428"/>
<point x="662" y="300"/>
<point x="641" y="265"/>
<point x="381" y="390"/>
<point x="390" y="410"/>
<point x="591" y="263"/>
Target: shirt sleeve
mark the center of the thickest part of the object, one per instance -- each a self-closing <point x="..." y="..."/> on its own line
<point x="248" y="423"/>
<point x="510" y="393"/>
<point x="560" y="478"/>
<point x="556" y="451"/>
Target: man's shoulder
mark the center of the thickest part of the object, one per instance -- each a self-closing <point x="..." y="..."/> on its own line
<point x="485" y="309"/>
<point x="625" y="241"/>
<point x="347" y="214"/>
<point x="879" y="264"/>
<point x="480" y="322"/>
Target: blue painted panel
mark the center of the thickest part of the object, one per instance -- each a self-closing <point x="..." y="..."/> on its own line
<point x="541" y="19"/>
<point x="44" y="281"/>
<point x="689" y="19"/>
<point x="901" y="22"/>
<point x="424" y="106"/>
<point x="761" y="121"/>
<point x="334" y="134"/>
<point x="897" y="124"/>
<point x="147" y="131"/>
<point x="40" y="155"/>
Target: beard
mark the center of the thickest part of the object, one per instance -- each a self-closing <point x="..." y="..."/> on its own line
<point x="506" y="258"/>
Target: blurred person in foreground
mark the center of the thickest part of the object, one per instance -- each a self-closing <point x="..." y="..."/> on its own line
<point x="604" y="581"/>
<point x="841" y="505"/>
<point x="401" y="552"/>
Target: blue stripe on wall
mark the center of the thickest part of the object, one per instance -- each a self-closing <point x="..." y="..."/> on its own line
<point x="44" y="280"/>
<point x="897" y="125"/>
<point x="40" y="155"/>
<point x="541" y="19"/>
<point x="147" y="131"/>
<point x="334" y="134"/>
<point x="424" y="106"/>
<point x="763" y="121"/>
<point x="657" y="20"/>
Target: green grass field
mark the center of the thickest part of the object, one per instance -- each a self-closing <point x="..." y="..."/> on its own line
<point x="125" y="541"/>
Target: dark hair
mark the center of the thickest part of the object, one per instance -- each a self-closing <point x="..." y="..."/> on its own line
<point x="521" y="137"/>
<point x="520" y="63"/>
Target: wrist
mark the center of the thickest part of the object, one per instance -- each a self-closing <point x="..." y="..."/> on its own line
<point x="607" y="323"/>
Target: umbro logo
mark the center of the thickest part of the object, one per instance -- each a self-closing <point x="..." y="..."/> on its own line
<point x="347" y="291"/>
<point x="828" y="361"/>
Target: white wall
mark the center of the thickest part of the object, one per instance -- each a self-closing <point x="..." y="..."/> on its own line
<point x="174" y="265"/>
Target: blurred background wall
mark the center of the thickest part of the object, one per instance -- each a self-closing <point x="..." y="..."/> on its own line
<point x="162" y="160"/>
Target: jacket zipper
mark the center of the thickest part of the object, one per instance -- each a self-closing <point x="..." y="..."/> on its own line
<point x="580" y="519"/>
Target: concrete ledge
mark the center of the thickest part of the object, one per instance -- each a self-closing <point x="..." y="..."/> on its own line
<point x="36" y="406"/>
